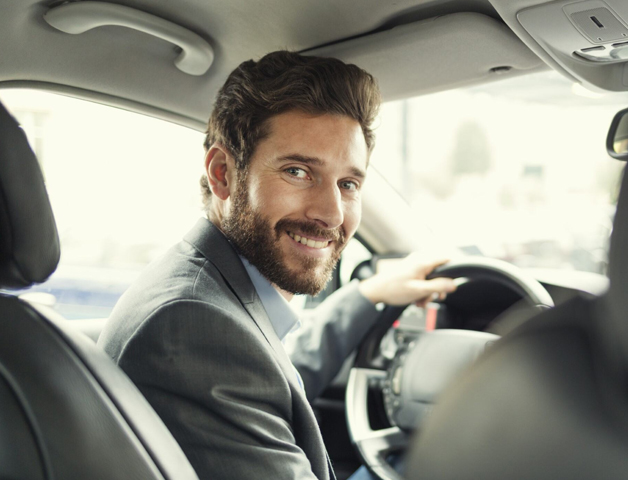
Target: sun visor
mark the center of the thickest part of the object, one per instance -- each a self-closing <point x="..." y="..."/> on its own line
<point x="588" y="39"/>
<point x="440" y="53"/>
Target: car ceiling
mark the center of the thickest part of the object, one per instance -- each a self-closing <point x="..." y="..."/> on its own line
<point x="411" y="46"/>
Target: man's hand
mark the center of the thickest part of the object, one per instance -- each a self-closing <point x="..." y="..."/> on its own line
<point x="406" y="284"/>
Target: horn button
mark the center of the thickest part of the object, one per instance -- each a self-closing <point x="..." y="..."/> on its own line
<point x="423" y="368"/>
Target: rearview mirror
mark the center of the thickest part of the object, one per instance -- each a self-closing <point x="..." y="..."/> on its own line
<point x="617" y="139"/>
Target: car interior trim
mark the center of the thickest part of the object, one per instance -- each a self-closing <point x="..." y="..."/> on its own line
<point x="109" y="100"/>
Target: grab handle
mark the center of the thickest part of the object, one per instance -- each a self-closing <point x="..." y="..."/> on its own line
<point x="196" y="54"/>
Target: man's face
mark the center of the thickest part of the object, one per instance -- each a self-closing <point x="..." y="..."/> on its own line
<point x="299" y="203"/>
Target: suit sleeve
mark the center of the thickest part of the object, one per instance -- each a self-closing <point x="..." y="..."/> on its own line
<point x="218" y="390"/>
<point x="329" y="333"/>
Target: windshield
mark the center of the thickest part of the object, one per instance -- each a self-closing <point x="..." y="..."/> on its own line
<point x="515" y="170"/>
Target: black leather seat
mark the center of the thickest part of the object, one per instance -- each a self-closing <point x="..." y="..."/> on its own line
<point x="66" y="411"/>
<point x="548" y="401"/>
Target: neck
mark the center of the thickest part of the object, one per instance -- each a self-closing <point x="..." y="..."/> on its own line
<point x="287" y="295"/>
<point x="215" y="219"/>
<point x="216" y="211"/>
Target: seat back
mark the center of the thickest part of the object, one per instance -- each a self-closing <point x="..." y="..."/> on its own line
<point x="66" y="410"/>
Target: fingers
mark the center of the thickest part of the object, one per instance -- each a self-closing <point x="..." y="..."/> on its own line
<point x="441" y="285"/>
<point x="438" y="288"/>
<point x="407" y="285"/>
<point x="423" y="303"/>
<point x="425" y="291"/>
<point x="435" y="297"/>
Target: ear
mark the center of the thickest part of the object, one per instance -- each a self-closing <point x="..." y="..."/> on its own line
<point x="220" y="170"/>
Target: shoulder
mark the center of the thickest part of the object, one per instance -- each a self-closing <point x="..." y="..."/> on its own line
<point x="188" y="344"/>
<point x="181" y="286"/>
<point x="191" y="323"/>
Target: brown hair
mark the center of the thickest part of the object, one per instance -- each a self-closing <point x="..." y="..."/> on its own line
<point x="279" y="82"/>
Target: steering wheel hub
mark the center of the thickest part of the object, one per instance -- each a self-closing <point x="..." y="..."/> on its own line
<point x="424" y="368"/>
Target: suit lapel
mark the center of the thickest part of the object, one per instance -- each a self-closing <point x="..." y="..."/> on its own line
<point x="215" y="247"/>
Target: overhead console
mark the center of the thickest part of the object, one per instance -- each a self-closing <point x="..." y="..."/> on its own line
<point x="589" y="39"/>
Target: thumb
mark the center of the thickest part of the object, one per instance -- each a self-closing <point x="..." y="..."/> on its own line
<point x="433" y="265"/>
<point x="440" y="285"/>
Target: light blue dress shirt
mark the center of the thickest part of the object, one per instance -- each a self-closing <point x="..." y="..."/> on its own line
<point x="281" y="315"/>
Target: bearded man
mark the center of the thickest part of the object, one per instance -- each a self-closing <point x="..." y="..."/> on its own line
<point x="201" y="331"/>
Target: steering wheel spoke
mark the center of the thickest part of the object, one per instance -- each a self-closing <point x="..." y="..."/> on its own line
<point x="373" y="445"/>
<point x="384" y="441"/>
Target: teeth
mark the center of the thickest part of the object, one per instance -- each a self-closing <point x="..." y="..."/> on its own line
<point x="307" y="241"/>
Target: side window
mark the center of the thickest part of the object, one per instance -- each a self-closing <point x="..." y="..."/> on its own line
<point x="123" y="188"/>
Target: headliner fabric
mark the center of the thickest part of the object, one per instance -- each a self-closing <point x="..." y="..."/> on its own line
<point x="123" y="67"/>
<point x="29" y="243"/>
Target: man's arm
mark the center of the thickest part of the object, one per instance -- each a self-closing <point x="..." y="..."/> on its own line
<point x="335" y="328"/>
<point x="217" y="387"/>
<point x="329" y="333"/>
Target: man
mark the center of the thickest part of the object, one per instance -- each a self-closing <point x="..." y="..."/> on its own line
<point x="201" y="331"/>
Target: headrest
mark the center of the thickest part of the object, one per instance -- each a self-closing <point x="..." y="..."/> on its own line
<point x="29" y="243"/>
<point x="615" y="323"/>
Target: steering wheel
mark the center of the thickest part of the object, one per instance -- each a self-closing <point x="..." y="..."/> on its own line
<point x="421" y="369"/>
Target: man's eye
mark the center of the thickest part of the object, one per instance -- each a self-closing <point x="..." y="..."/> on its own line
<point x="296" y="172"/>
<point x="347" y="185"/>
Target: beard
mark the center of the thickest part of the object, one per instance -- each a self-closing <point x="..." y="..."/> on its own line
<point x="259" y="242"/>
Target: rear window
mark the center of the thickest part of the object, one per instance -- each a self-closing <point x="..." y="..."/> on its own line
<point x="123" y="187"/>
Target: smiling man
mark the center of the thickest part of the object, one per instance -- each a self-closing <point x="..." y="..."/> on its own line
<point x="201" y="331"/>
<point x="296" y="206"/>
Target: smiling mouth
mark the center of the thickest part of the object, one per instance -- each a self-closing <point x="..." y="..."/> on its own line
<point x="309" y="242"/>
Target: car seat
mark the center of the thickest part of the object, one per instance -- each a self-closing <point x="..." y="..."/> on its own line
<point x="66" y="410"/>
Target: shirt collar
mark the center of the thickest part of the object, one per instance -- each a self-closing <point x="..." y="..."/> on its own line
<point x="279" y="311"/>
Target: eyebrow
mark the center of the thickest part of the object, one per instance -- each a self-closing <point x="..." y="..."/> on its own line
<point x="317" y="162"/>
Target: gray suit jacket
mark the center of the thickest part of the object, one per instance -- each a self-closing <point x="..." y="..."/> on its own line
<point x="193" y="335"/>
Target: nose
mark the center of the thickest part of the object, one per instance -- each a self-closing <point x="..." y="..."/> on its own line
<point x="325" y="206"/>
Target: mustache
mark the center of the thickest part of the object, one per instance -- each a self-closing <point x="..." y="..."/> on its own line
<point x="311" y="228"/>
